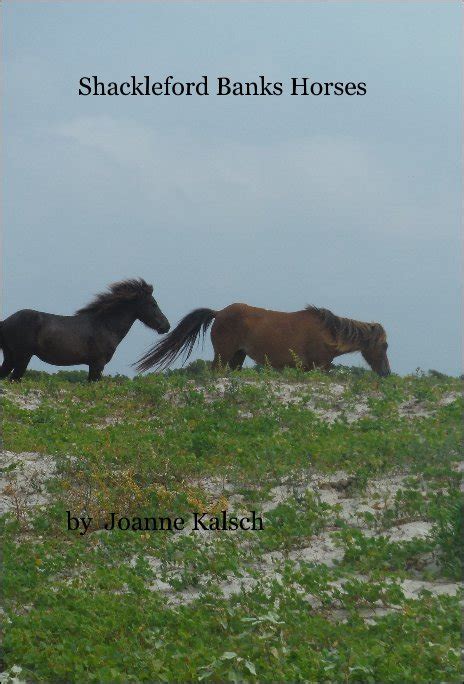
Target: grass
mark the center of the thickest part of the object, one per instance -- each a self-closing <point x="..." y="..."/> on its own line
<point x="228" y="606"/>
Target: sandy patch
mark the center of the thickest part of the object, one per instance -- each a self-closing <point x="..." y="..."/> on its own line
<point x="413" y="408"/>
<point x="419" y="529"/>
<point x="269" y="568"/>
<point x="108" y="421"/>
<point x="29" y="401"/>
<point x="22" y="480"/>
<point x="326" y="400"/>
<point x="332" y="489"/>
<point x="449" y="398"/>
<point x="322" y="549"/>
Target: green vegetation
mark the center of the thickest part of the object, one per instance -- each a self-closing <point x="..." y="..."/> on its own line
<point x="353" y="578"/>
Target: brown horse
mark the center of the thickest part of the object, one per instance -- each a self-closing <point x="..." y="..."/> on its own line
<point x="311" y="338"/>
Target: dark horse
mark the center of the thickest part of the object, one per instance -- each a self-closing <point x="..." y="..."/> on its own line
<point x="89" y="337"/>
<point x="311" y="338"/>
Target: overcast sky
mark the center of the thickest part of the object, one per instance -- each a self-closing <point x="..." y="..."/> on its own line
<point x="351" y="203"/>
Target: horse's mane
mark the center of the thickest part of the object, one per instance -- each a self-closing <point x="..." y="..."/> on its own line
<point x="348" y="330"/>
<point x="117" y="293"/>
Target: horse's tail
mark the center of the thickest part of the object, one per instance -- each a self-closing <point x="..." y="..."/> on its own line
<point x="179" y="341"/>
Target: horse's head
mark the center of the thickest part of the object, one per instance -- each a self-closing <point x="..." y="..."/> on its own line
<point x="148" y="311"/>
<point x="375" y="350"/>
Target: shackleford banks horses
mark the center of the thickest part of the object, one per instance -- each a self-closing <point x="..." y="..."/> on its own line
<point x="311" y="338"/>
<point x="89" y="337"/>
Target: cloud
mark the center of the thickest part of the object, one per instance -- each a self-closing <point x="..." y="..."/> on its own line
<point x="339" y="182"/>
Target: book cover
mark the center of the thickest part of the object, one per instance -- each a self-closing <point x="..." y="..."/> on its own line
<point x="231" y="411"/>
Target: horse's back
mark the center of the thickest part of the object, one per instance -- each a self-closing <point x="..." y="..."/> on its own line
<point x="21" y="318"/>
<point x="25" y="326"/>
<point x="236" y="310"/>
<point x="21" y="314"/>
<point x="21" y="328"/>
<point x="31" y="319"/>
<point x="240" y="310"/>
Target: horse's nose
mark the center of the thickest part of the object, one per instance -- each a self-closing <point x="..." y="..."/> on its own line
<point x="385" y="370"/>
<point x="165" y="326"/>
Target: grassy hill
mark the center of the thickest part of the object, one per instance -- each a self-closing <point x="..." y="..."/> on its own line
<point x="353" y="578"/>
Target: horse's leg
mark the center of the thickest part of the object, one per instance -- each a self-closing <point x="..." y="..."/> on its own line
<point x="7" y="365"/>
<point x="227" y="350"/>
<point x="20" y="366"/>
<point x="95" y="371"/>
<point x="236" y="362"/>
<point x="217" y="362"/>
<point x="5" y="369"/>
